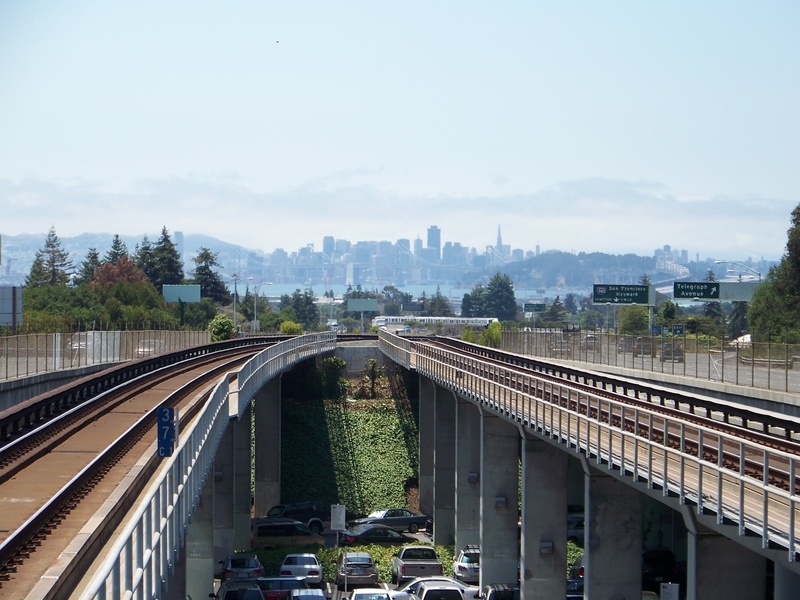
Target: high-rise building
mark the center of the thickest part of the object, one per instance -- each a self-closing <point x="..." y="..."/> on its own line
<point x="328" y="246"/>
<point x="435" y="241"/>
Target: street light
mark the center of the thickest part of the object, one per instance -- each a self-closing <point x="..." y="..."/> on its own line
<point x="236" y="279"/>
<point x="744" y="266"/>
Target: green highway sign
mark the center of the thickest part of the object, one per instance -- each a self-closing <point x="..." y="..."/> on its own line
<point x="677" y="329"/>
<point x="531" y="308"/>
<point x="621" y="294"/>
<point x="701" y="290"/>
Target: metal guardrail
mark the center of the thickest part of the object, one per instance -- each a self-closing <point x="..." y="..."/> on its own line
<point x="623" y="438"/>
<point x="148" y="545"/>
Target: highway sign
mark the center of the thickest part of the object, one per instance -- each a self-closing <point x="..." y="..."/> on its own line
<point x="677" y="329"/>
<point x="530" y="308"/>
<point x="621" y="294"/>
<point x="701" y="290"/>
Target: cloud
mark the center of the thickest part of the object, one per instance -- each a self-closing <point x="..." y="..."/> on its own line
<point x="587" y="215"/>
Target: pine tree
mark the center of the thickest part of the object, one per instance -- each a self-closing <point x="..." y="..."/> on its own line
<point x="51" y="265"/>
<point x="167" y="259"/>
<point x="88" y="267"/>
<point x="500" y="299"/>
<point x="144" y="259"/>
<point x="211" y="284"/>
<point x="117" y="251"/>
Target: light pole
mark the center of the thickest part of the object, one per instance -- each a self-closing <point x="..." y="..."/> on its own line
<point x="744" y="266"/>
<point x="236" y="280"/>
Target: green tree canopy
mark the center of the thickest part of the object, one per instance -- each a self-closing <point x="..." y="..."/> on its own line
<point x="167" y="262"/>
<point x="210" y="281"/>
<point x="774" y="312"/>
<point x="118" y="250"/>
<point x="89" y="265"/>
<point x="305" y="311"/>
<point x="51" y="265"/>
<point x="500" y="300"/>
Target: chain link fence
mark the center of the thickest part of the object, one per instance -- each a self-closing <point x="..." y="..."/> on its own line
<point x="759" y="365"/>
<point x="32" y="354"/>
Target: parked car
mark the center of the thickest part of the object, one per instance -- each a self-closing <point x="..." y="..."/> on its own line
<point x="644" y="346"/>
<point x="382" y="535"/>
<point x="266" y="532"/>
<point x="370" y="594"/>
<point x="659" y="565"/>
<point x="355" y="568"/>
<point x="302" y="565"/>
<point x="574" y="589"/>
<point x="313" y="514"/>
<point x="307" y="594"/>
<point x="500" y="591"/>
<point x="149" y="348"/>
<point x="438" y="591"/>
<point x="409" y="587"/>
<point x="467" y="564"/>
<point x="401" y="519"/>
<point x="672" y="351"/>
<point x="238" y="590"/>
<point x="241" y="566"/>
<point x="280" y="588"/>
<point x="575" y="529"/>
<point x="415" y="561"/>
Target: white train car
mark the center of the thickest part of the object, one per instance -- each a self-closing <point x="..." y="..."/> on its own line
<point x="389" y="321"/>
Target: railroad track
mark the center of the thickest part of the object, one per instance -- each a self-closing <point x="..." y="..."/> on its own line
<point x="587" y="395"/>
<point x="54" y="477"/>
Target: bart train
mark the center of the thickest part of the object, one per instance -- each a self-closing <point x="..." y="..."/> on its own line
<point x="384" y="321"/>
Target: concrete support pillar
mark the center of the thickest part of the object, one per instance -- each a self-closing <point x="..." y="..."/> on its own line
<point x="224" y="479"/>
<point x="543" y="545"/>
<point x="724" y="569"/>
<point x="717" y="567"/>
<point x="468" y="474"/>
<point x="267" y="415"/>
<point x="175" y="588"/>
<point x="242" y="496"/>
<point x="787" y="583"/>
<point x="614" y="540"/>
<point x="427" y="402"/>
<point x="200" y="562"/>
<point x="444" y="467"/>
<point x="499" y="500"/>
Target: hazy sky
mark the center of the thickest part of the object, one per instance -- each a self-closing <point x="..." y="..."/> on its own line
<point x="609" y="126"/>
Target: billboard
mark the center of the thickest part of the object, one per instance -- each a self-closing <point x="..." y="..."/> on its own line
<point x="362" y="305"/>
<point x="184" y="293"/>
<point x="10" y="305"/>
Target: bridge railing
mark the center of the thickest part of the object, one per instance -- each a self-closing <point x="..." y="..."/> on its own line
<point x="144" y="551"/>
<point x="743" y="482"/>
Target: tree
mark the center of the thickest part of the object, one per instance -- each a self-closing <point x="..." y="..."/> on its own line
<point x="123" y="269"/>
<point x="88" y="267"/>
<point x="144" y="259"/>
<point x="438" y="306"/>
<point x="500" y="300"/>
<point x="167" y="260"/>
<point x="51" y="265"/>
<point x="570" y="304"/>
<point x="633" y="320"/>
<point x="221" y="328"/>
<point x="774" y="311"/>
<point x="210" y="281"/>
<point x="305" y="310"/>
<point x="555" y="315"/>
<point x="117" y="251"/>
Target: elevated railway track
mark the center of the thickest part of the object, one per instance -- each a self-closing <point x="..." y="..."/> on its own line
<point x="736" y="465"/>
<point x="64" y="455"/>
